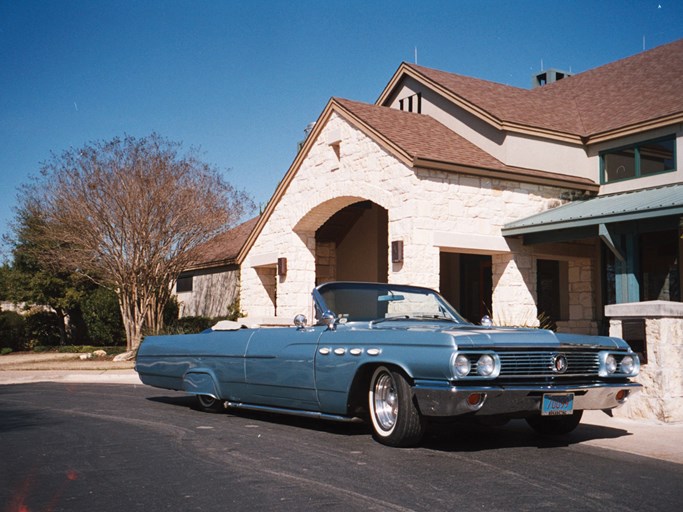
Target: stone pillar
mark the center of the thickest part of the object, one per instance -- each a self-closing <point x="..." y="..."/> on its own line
<point x="662" y="375"/>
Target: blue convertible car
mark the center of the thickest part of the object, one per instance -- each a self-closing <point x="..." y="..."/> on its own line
<point x="396" y="356"/>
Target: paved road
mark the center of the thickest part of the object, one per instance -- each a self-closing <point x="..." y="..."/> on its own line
<point x="83" y="447"/>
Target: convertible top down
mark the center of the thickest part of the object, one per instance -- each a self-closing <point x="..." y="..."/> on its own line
<point x="395" y="356"/>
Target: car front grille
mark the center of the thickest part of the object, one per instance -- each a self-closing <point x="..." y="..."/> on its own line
<point x="541" y="364"/>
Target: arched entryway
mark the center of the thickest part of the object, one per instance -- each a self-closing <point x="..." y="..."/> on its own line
<point x="352" y="245"/>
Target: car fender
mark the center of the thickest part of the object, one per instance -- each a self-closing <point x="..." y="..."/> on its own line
<point x="201" y="381"/>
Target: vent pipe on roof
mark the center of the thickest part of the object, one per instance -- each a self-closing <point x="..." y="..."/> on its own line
<point x="548" y="77"/>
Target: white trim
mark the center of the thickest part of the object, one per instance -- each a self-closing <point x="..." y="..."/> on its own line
<point x="470" y="243"/>
<point x="263" y="260"/>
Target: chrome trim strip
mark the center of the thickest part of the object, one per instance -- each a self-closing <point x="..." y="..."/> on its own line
<point x="294" y="412"/>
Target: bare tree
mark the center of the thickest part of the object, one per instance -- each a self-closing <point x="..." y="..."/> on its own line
<point x="126" y="213"/>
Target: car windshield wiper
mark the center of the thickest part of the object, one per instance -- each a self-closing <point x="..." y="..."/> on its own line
<point x="435" y="317"/>
<point x="389" y="319"/>
<point x="417" y="317"/>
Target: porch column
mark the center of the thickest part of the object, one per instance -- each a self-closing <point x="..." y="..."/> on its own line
<point x="626" y="270"/>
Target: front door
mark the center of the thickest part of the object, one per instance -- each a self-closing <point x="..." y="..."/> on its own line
<point x="279" y="368"/>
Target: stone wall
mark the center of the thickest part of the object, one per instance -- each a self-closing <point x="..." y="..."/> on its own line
<point x="662" y="377"/>
<point x="345" y="166"/>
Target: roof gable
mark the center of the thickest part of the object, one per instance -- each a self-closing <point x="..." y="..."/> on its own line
<point x="633" y="93"/>
<point x="417" y="140"/>
<point x="424" y="142"/>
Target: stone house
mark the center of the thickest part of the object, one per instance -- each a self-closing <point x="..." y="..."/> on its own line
<point x="563" y="201"/>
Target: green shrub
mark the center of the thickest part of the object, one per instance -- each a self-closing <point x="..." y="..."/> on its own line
<point x="5" y="350"/>
<point x="12" y="331"/>
<point x="102" y="318"/>
<point x="44" y="328"/>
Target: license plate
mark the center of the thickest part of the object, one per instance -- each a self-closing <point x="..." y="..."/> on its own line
<point x="556" y="405"/>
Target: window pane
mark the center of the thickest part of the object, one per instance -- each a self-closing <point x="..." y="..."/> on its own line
<point x="183" y="284"/>
<point x="620" y="165"/>
<point x="657" y="157"/>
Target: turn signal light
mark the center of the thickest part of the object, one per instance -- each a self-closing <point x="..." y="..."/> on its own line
<point x="476" y="399"/>
<point x="622" y="395"/>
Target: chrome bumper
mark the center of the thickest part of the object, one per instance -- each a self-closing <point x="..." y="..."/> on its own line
<point x="435" y="399"/>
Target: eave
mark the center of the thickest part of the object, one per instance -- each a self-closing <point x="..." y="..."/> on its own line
<point x="637" y="128"/>
<point x="521" y="175"/>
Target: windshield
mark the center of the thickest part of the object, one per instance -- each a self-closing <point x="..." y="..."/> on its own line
<point x="356" y="302"/>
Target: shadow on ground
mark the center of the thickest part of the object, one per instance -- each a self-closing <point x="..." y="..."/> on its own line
<point x="457" y="437"/>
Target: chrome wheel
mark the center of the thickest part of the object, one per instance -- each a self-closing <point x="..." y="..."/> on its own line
<point x="385" y="401"/>
<point x="396" y="420"/>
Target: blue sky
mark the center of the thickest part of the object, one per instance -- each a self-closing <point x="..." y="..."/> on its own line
<point x="242" y="79"/>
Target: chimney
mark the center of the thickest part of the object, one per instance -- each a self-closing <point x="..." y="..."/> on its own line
<point x="548" y="77"/>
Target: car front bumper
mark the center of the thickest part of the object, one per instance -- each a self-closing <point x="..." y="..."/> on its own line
<point x="436" y="399"/>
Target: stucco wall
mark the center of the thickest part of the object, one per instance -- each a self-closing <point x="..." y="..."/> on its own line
<point x="512" y="149"/>
<point x="419" y="202"/>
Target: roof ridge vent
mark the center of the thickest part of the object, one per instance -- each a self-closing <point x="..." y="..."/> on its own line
<point x="548" y="77"/>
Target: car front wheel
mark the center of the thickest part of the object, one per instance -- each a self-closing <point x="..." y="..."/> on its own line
<point x="396" y="420"/>
<point x="555" y="425"/>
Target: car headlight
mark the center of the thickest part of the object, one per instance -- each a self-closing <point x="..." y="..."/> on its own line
<point x="462" y="365"/>
<point x="629" y="365"/>
<point x="619" y="364"/>
<point x="486" y="365"/>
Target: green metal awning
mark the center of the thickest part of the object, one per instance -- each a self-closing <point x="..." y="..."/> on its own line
<point x="583" y="217"/>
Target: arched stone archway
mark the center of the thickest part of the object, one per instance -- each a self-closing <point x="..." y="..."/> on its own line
<point x="351" y="240"/>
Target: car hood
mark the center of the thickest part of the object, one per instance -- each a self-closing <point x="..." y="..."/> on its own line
<point x="470" y="336"/>
<point x="531" y="338"/>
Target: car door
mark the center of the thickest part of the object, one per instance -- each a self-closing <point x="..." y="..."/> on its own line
<point x="279" y="368"/>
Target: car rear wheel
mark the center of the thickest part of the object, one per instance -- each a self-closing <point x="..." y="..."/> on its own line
<point x="555" y="425"/>
<point x="208" y="403"/>
<point x="396" y="420"/>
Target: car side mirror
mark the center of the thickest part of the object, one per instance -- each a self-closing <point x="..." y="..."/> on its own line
<point x="300" y="321"/>
<point x="329" y="320"/>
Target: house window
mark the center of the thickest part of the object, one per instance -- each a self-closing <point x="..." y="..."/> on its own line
<point x="183" y="284"/>
<point x="552" y="292"/>
<point x="638" y="160"/>
<point x="411" y="103"/>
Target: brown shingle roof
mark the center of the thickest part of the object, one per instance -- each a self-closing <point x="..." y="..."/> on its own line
<point x="506" y="103"/>
<point x="422" y="138"/>
<point x="624" y="93"/>
<point x="224" y="248"/>
<point x="630" y="91"/>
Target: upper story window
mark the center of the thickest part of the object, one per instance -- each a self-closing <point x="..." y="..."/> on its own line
<point x="411" y="103"/>
<point x="638" y="160"/>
